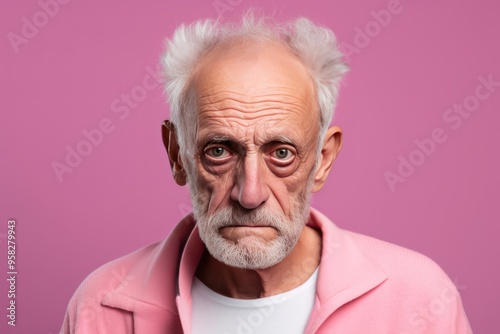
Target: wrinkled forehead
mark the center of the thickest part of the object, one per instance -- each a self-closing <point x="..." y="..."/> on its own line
<point x="251" y="71"/>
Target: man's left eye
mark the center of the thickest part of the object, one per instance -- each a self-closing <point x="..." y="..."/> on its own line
<point x="282" y="154"/>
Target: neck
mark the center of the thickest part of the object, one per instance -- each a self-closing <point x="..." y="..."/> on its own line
<point x="291" y="272"/>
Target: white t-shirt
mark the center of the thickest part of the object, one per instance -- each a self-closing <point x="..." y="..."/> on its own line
<point x="284" y="313"/>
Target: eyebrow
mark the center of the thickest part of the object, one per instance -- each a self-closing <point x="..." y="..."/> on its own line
<point x="282" y="139"/>
<point x="215" y="138"/>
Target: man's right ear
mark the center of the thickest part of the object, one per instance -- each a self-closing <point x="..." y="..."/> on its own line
<point x="172" y="146"/>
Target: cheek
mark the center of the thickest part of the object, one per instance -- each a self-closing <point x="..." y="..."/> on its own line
<point x="281" y="195"/>
<point x="298" y="180"/>
<point x="215" y="190"/>
<point x="286" y="191"/>
<point x="291" y="189"/>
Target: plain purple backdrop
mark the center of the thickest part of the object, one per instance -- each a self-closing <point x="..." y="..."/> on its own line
<point x="68" y="68"/>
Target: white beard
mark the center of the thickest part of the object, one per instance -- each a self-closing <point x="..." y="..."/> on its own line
<point x="251" y="252"/>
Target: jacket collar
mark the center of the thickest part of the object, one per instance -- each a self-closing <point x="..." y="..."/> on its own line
<point x="149" y="291"/>
<point x="345" y="273"/>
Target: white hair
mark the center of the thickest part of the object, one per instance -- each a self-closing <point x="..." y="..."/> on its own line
<point x="315" y="46"/>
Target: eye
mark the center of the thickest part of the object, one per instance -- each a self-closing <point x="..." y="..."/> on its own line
<point x="282" y="160"/>
<point x="217" y="152"/>
<point x="282" y="153"/>
<point x="282" y="156"/>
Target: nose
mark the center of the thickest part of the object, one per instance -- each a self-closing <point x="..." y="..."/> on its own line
<point x="250" y="189"/>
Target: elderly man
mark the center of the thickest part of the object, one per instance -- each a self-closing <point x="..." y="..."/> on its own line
<point x="251" y="106"/>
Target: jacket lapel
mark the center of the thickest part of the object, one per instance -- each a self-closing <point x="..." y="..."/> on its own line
<point x="149" y="289"/>
<point x="345" y="273"/>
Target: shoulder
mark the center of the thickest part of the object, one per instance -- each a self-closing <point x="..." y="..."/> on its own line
<point x="110" y="275"/>
<point x="398" y="261"/>
<point x="417" y="289"/>
<point x="106" y="299"/>
<point x="85" y="311"/>
<point x="415" y="296"/>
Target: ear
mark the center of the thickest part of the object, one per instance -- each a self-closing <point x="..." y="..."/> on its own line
<point x="171" y="145"/>
<point x="329" y="152"/>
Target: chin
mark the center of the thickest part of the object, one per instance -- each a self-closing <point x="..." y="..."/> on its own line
<point x="249" y="252"/>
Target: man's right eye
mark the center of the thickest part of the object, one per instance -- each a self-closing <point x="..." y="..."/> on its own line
<point x="217" y="152"/>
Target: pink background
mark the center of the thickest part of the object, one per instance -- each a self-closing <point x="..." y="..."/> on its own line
<point x="65" y="77"/>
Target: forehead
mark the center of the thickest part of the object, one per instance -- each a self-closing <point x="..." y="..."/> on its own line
<point x="250" y="66"/>
<point x="253" y="81"/>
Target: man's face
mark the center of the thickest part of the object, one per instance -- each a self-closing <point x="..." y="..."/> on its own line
<point x="255" y="152"/>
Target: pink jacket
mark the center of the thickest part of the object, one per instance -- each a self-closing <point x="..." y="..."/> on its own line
<point x="364" y="286"/>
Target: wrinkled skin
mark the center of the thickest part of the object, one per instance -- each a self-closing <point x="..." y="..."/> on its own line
<point x="256" y="150"/>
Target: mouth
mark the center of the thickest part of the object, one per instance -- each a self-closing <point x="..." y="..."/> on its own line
<point x="235" y="232"/>
<point x="244" y="226"/>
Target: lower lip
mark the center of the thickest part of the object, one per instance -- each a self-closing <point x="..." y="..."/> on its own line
<point x="248" y="229"/>
<point x="247" y="226"/>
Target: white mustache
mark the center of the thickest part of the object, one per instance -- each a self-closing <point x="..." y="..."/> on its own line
<point x="235" y="217"/>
